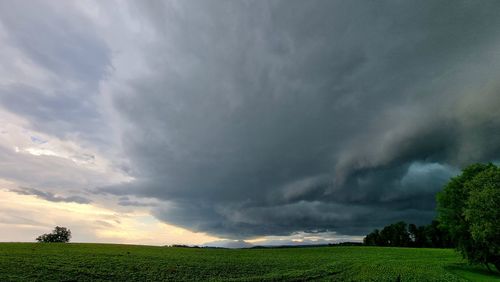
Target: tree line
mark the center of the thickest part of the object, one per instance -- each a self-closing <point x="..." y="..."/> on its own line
<point x="401" y="234"/>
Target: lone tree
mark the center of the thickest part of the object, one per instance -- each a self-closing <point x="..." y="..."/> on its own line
<point x="58" y="235"/>
<point x="469" y="208"/>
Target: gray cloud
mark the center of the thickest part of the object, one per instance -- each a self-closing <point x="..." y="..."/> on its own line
<point x="50" y="196"/>
<point x="62" y="43"/>
<point x="125" y="201"/>
<point x="57" y="38"/>
<point x="53" y="113"/>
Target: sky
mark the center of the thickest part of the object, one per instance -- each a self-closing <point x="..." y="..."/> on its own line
<point x="233" y="123"/>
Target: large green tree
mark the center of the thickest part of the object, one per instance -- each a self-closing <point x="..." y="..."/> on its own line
<point x="469" y="208"/>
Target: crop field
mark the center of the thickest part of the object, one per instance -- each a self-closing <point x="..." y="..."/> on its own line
<point x="101" y="262"/>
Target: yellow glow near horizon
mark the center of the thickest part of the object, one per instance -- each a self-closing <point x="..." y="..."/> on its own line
<point x="23" y="217"/>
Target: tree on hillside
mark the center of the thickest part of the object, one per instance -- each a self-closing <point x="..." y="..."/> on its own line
<point x="58" y="235"/>
<point x="469" y="208"/>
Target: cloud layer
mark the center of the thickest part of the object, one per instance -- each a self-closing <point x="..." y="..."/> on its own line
<point x="245" y="119"/>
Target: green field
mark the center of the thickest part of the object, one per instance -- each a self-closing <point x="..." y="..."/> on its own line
<point x="97" y="262"/>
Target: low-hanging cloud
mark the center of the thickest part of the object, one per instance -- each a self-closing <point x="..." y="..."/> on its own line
<point x="51" y="196"/>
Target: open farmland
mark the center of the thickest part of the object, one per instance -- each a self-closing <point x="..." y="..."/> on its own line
<point x="42" y="262"/>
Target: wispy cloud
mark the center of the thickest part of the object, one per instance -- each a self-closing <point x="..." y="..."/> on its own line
<point x="50" y="196"/>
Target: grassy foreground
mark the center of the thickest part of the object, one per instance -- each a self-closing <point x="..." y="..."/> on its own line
<point x="70" y="262"/>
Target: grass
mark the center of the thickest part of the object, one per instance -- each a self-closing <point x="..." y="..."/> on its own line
<point x="101" y="262"/>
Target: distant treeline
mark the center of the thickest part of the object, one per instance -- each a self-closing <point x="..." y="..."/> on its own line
<point x="273" y="246"/>
<point x="192" y="246"/>
<point x="308" y="245"/>
<point x="401" y="234"/>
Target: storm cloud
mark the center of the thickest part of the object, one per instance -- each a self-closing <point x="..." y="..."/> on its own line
<point x="277" y="117"/>
<point x="245" y="119"/>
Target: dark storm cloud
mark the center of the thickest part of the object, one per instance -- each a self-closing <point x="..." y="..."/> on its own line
<point x="268" y="118"/>
<point x="48" y="196"/>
